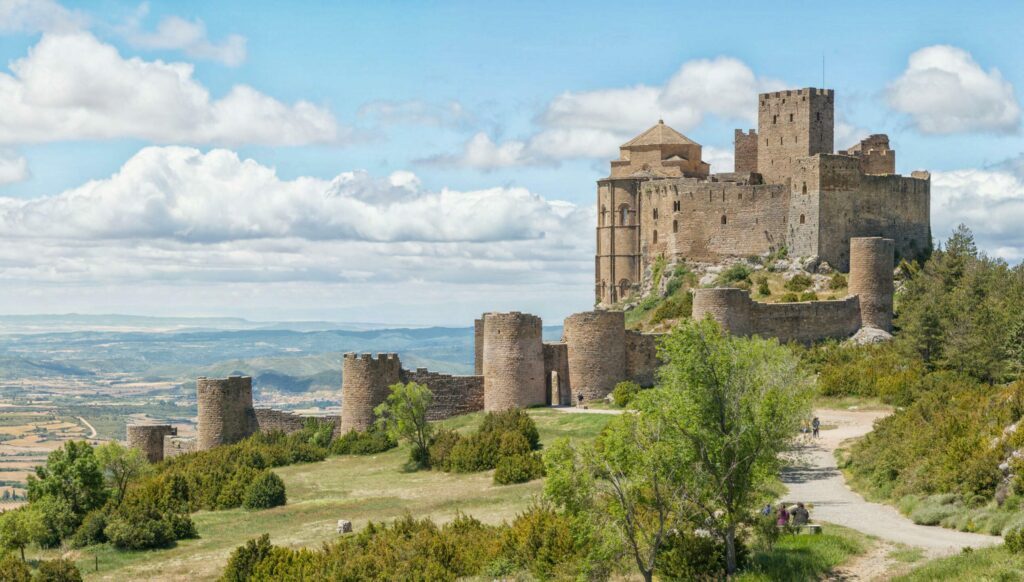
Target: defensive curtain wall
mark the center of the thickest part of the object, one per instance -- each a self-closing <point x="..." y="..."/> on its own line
<point x="518" y="369"/>
<point x="869" y="304"/>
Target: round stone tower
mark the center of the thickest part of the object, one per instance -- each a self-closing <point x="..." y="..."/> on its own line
<point x="149" y="438"/>
<point x="597" y="353"/>
<point x="364" y="385"/>
<point x="513" y="361"/>
<point x="226" y="414"/>
<point x="728" y="306"/>
<point x="871" y="266"/>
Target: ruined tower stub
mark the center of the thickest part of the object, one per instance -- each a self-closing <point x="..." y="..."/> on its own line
<point x="792" y="124"/>
<point x="871" y="266"/>
<point x="365" y="380"/>
<point x="226" y="414"/>
<point x="513" y="361"/>
<point x="729" y="306"/>
<point x="478" y="347"/>
<point x="149" y="438"/>
<point x="597" y="352"/>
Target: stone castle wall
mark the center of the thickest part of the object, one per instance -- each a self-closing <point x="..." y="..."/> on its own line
<point x="149" y="438"/>
<point x="556" y="374"/>
<point x="792" y="124"/>
<point x="804" y="322"/>
<point x="513" y="363"/>
<point x="364" y="385"/>
<point x="226" y="413"/>
<point x="703" y="220"/>
<point x="617" y="261"/>
<point x="478" y="347"/>
<point x="177" y="445"/>
<point x="596" y="343"/>
<point x="641" y="357"/>
<point x="453" y="395"/>
<point x="745" y="145"/>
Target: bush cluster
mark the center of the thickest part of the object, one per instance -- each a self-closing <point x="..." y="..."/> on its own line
<point x="539" y="542"/>
<point x="734" y="274"/>
<point x="1014" y="541"/>
<point x="624" y="393"/>
<point x="370" y="442"/>
<point x="799" y="282"/>
<point x="506" y="441"/>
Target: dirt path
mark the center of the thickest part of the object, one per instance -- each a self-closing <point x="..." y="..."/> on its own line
<point x="817" y="480"/>
<point x="91" y="428"/>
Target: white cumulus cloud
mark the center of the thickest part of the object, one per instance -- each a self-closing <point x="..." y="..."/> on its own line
<point x="188" y="36"/>
<point x="73" y="86"/>
<point x="990" y="201"/>
<point x="38" y="16"/>
<point x="592" y="124"/>
<point x="944" y="90"/>
<point x="13" y="167"/>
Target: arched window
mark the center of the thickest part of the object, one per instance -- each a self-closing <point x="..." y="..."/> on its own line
<point x="623" y="215"/>
<point x="655" y="214"/>
<point x="654" y="239"/>
<point x="802" y="219"/>
<point x="723" y="219"/>
<point x="675" y="226"/>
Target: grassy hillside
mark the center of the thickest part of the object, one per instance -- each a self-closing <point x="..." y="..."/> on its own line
<point x="319" y="494"/>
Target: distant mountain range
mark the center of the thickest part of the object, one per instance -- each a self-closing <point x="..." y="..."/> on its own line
<point x="113" y="322"/>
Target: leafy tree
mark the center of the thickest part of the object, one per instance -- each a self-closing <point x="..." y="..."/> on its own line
<point x="19" y="528"/>
<point x="120" y="465"/>
<point x="404" y="415"/>
<point x="72" y="474"/>
<point x="266" y="491"/>
<point x="14" y="570"/>
<point x="631" y="478"/>
<point x="732" y="405"/>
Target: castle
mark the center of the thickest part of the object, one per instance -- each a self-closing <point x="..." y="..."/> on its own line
<point x="849" y="209"/>
<point x="788" y="190"/>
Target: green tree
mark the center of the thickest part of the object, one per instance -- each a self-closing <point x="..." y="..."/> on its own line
<point x="404" y="415"/>
<point x="631" y="479"/>
<point x="733" y="404"/>
<point x="120" y="465"/>
<point x="19" y="528"/>
<point x="72" y="474"/>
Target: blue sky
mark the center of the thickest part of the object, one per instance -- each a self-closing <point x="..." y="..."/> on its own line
<point x="408" y="114"/>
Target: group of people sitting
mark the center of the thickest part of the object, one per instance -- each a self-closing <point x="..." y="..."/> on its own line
<point x="795" y="516"/>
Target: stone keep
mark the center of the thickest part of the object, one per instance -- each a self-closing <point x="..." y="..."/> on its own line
<point x="226" y="414"/>
<point x="513" y="361"/>
<point x="597" y="352"/>
<point x="871" y="267"/>
<point x="365" y="381"/>
<point x="149" y="438"/>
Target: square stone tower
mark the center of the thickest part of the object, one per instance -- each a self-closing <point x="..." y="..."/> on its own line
<point x="792" y="124"/>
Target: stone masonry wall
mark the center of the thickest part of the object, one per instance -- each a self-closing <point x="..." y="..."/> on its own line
<point x="513" y="361"/>
<point x="556" y="361"/>
<point x="803" y="322"/>
<point x="453" y="395"/>
<point x="702" y="220"/>
<point x="271" y="420"/>
<point x="792" y="124"/>
<point x="641" y="357"/>
<point x="597" y="352"/>
<point x="871" y="266"/>
<point x="745" y="151"/>
<point x="478" y="347"/>
<point x="617" y="260"/>
<point x="149" y="438"/>
<point x="364" y="385"/>
<point x="176" y="445"/>
<point x="225" y="412"/>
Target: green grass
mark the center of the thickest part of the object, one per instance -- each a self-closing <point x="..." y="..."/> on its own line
<point x="805" y="556"/>
<point x="907" y="555"/>
<point x="979" y="565"/>
<point x="850" y="402"/>
<point x="355" y="488"/>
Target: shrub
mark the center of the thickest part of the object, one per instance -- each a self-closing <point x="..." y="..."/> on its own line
<point x="91" y="530"/>
<point x="676" y="306"/>
<point x="245" y="558"/>
<point x="58" y="570"/>
<point x="370" y="442"/>
<point x="763" y="288"/>
<point x="799" y="282"/>
<point x="477" y="452"/>
<point x="680" y="276"/>
<point x="131" y="531"/>
<point x="837" y="281"/>
<point x="12" y="569"/>
<point x="265" y="491"/>
<point x="441" y="448"/>
<point x="808" y="296"/>
<point x="789" y="298"/>
<point x="540" y="539"/>
<point x="734" y="274"/>
<point x="692" y="556"/>
<point x="1014" y="541"/>
<point x="518" y="468"/>
<point x="515" y="420"/>
<point x="512" y="443"/>
<point x="624" y="393"/>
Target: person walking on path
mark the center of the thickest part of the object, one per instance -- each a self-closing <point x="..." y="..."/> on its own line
<point x="783" y="518"/>
<point x="800" y="515"/>
<point x="815" y="425"/>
